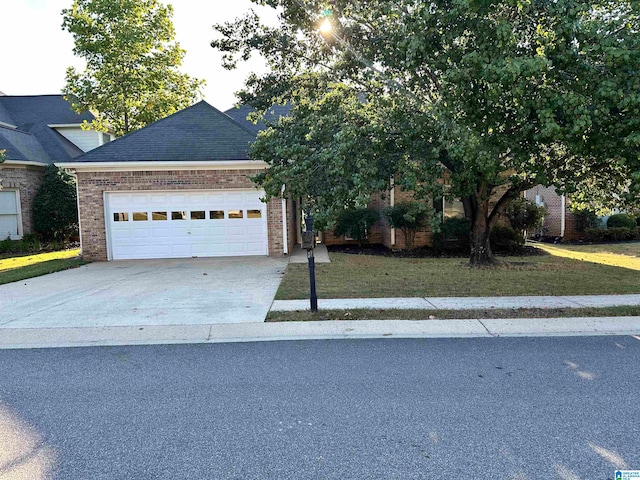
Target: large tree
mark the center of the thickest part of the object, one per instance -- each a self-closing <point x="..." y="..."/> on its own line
<point x="498" y="94"/>
<point x="131" y="78"/>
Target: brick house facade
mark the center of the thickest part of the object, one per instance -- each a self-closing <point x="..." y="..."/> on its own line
<point x="35" y="131"/>
<point x="26" y="180"/>
<point x="93" y="185"/>
<point x="198" y="151"/>
<point x="559" y="221"/>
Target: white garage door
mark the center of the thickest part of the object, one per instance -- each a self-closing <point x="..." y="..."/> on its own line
<point x="214" y="223"/>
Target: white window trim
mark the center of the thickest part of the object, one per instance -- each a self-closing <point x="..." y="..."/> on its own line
<point x="19" y="214"/>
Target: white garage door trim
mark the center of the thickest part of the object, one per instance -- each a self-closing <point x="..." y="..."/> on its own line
<point x="185" y="223"/>
<point x="10" y="214"/>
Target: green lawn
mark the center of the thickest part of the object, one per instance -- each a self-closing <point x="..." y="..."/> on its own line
<point x="631" y="249"/>
<point x="352" y="276"/>
<point x="624" y="254"/>
<point x="392" y="314"/>
<point x="38" y="269"/>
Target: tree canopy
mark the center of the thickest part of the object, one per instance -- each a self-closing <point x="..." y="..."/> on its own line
<point x="132" y="76"/>
<point x="500" y="94"/>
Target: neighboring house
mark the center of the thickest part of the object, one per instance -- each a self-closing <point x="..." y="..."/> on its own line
<point x="36" y="131"/>
<point x="179" y="188"/>
<point x="559" y="220"/>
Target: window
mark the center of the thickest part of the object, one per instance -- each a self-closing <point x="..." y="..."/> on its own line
<point x="121" y="217"/>
<point x="235" y="214"/>
<point x="106" y="138"/>
<point x="9" y="215"/>
<point x="198" y="215"/>
<point x="140" y="216"/>
<point x="254" y="213"/>
<point x="453" y="209"/>
<point x="182" y="215"/>
<point x="159" y="216"/>
<point x="216" y="214"/>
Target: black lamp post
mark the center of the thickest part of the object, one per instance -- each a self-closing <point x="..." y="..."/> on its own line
<point x="309" y="243"/>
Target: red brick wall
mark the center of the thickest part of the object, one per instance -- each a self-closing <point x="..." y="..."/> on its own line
<point x="92" y="185"/>
<point x="552" y="221"/>
<point x="26" y="180"/>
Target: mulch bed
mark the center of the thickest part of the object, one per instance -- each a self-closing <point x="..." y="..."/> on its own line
<point x="425" y="252"/>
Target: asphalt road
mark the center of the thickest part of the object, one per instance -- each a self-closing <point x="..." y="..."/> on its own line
<point x="538" y="408"/>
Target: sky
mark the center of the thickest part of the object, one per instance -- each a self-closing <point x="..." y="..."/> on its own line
<point x="36" y="51"/>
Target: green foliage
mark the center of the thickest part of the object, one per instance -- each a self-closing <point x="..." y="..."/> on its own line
<point x="586" y="219"/>
<point x="28" y="244"/>
<point x="454" y="236"/>
<point x="613" y="234"/>
<point x="621" y="220"/>
<point x="132" y="76"/>
<point x="55" y="211"/>
<point x="355" y="223"/>
<point x="505" y="239"/>
<point x="500" y="93"/>
<point x="525" y="214"/>
<point x="409" y="217"/>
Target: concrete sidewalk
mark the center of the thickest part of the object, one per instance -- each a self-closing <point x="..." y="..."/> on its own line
<point x="351" y="329"/>
<point x="461" y="303"/>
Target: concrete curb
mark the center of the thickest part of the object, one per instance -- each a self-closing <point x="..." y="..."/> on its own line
<point x="351" y="329"/>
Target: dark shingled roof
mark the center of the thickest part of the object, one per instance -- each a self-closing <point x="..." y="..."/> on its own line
<point x="21" y="146"/>
<point x="32" y="115"/>
<point x="239" y="114"/>
<point x="5" y="117"/>
<point x="198" y="133"/>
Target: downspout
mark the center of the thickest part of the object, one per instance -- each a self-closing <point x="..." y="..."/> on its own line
<point x="73" y="173"/>
<point x="562" y="213"/>
<point x="285" y="239"/>
<point x="392" y="202"/>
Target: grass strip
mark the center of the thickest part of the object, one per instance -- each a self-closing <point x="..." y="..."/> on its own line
<point x="20" y="260"/>
<point x="415" y="314"/>
<point x="370" y="276"/>
<point x="38" y="269"/>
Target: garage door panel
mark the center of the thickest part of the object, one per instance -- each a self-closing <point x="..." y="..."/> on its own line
<point x="254" y="230"/>
<point x="141" y="233"/>
<point x="194" y="236"/>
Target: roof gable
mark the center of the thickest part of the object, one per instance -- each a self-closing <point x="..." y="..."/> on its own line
<point x="32" y="115"/>
<point x="197" y="133"/>
<point x="21" y="146"/>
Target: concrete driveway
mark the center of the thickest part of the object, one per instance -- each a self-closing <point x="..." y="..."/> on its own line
<point x="145" y="292"/>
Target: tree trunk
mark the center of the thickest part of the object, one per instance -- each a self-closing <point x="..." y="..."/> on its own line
<point x="481" y="254"/>
<point x="478" y="214"/>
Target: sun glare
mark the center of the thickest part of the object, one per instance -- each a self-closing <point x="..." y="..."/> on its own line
<point x="325" y="26"/>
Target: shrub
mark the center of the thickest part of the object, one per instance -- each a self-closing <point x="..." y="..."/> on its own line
<point x="615" y="234"/>
<point x="525" y="214"/>
<point x="28" y="244"/>
<point x="621" y="220"/>
<point x="355" y="223"/>
<point x="586" y="219"/>
<point x="505" y="239"/>
<point x="454" y="236"/>
<point x="55" y="214"/>
<point x="409" y="217"/>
